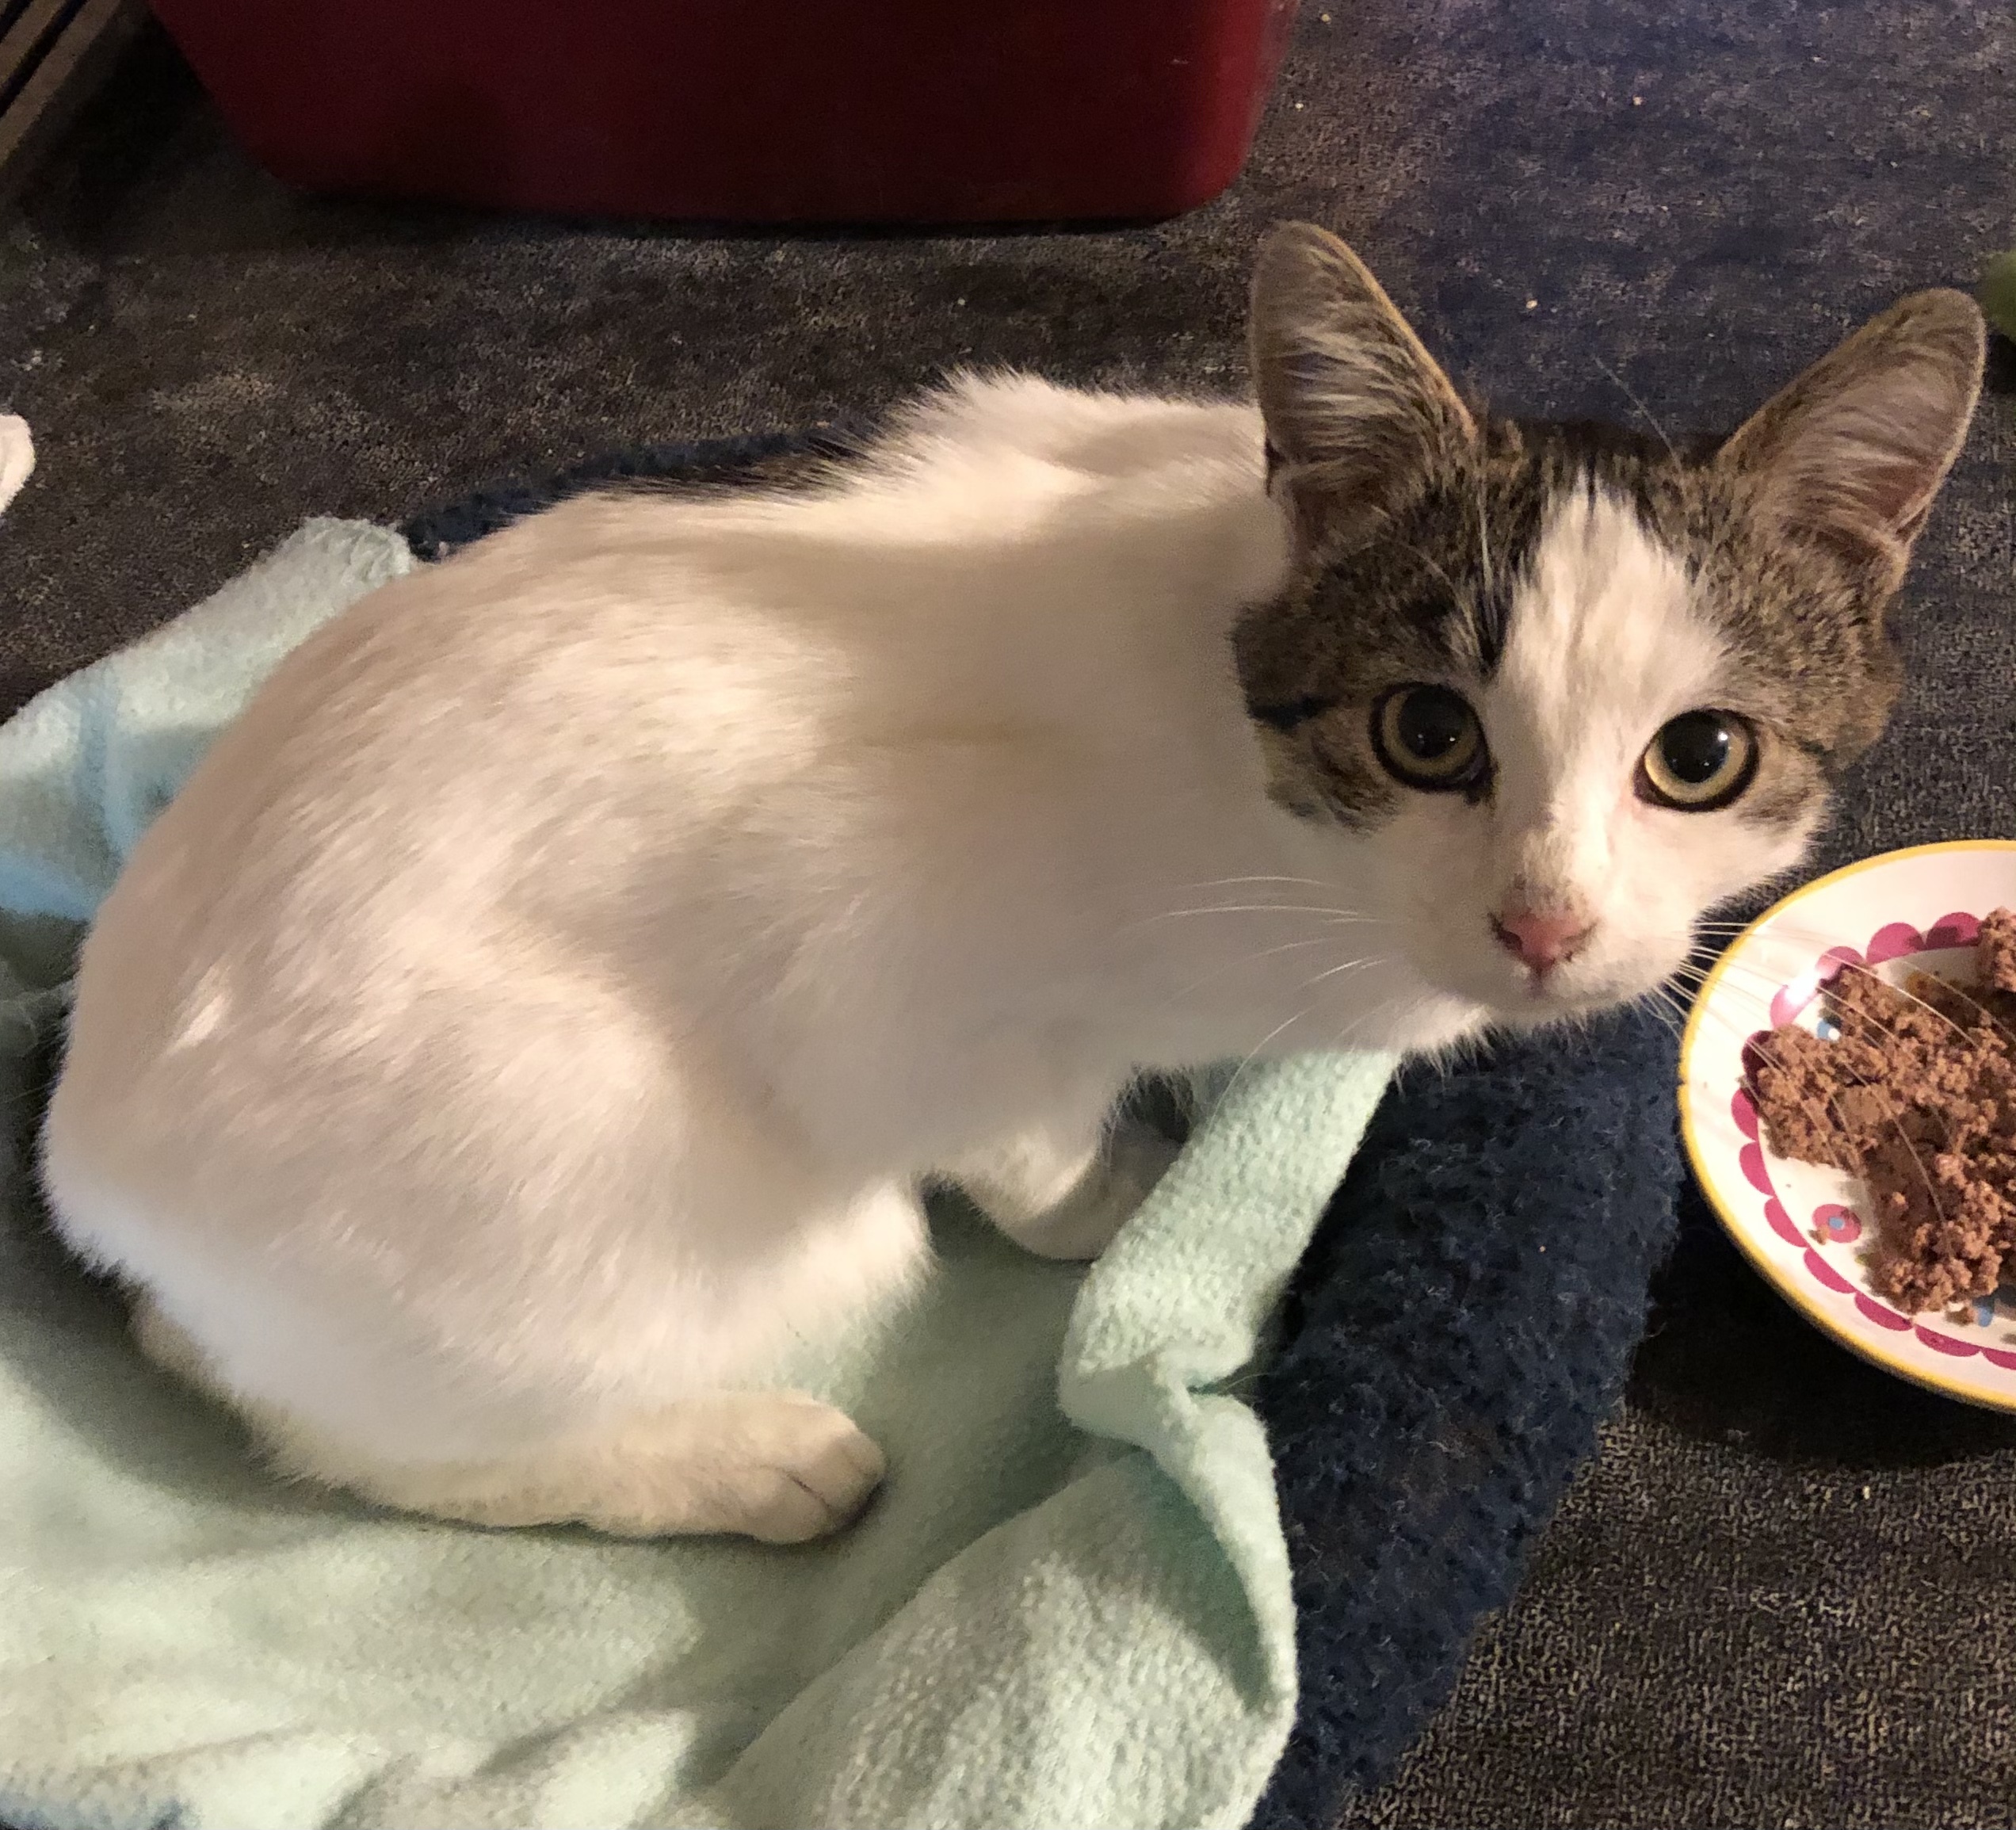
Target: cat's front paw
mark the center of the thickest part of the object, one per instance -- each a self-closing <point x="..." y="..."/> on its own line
<point x="775" y="1466"/>
<point x="805" y="1470"/>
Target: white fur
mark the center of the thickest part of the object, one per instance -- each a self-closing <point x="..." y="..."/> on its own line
<point x="17" y="456"/>
<point x="547" y="1001"/>
<point x="1605" y="643"/>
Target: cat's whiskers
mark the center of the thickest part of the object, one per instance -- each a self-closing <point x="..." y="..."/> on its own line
<point x="1759" y="1040"/>
<point x="1663" y="1003"/>
<point x="1483" y="539"/>
<point x="1791" y="930"/>
<point x="1962" y="992"/>
<point x="1347" y="966"/>
<point x="1232" y="882"/>
<point x="1246" y="959"/>
<point x="1342" y="1038"/>
<point x="1903" y="1137"/>
<point x="1252" y="1055"/>
<point x="1644" y="412"/>
<point x="1335" y="916"/>
<point x="1815" y="937"/>
<point x="1772" y="980"/>
<point x="1280" y="1029"/>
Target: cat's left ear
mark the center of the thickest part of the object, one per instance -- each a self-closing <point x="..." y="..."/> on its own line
<point x="1854" y="452"/>
<point x="1356" y="411"/>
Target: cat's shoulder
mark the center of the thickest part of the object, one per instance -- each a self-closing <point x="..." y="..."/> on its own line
<point x="1105" y="433"/>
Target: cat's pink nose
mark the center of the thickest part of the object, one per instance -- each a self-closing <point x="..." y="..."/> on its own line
<point x="1541" y="938"/>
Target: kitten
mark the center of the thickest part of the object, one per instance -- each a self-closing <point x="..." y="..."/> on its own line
<point x="547" y="999"/>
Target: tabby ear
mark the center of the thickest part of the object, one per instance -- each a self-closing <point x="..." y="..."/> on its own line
<point x="1356" y="409"/>
<point x="1854" y="451"/>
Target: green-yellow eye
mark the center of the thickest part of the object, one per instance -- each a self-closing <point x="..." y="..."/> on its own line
<point x="1429" y="738"/>
<point x="1698" y="762"/>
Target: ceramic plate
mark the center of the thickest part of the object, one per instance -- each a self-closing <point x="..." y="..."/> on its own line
<point x="1803" y="1226"/>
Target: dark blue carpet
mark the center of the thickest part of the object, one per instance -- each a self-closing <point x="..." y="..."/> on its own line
<point x="1462" y="1323"/>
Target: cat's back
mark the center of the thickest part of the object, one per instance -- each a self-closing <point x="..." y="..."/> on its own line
<point x="671" y="606"/>
<point x="678" y="683"/>
<point x="730" y="636"/>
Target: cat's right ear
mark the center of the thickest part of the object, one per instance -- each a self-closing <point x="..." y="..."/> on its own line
<point x="1356" y="408"/>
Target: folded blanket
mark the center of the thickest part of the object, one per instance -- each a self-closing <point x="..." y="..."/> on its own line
<point x="1071" y="1606"/>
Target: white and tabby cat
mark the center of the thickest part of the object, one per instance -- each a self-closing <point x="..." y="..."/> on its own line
<point x="549" y="998"/>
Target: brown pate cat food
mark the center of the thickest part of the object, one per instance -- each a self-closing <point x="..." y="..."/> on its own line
<point x="1917" y="1096"/>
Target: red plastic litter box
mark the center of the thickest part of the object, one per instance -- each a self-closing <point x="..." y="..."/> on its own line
<point x="737" y="111"/>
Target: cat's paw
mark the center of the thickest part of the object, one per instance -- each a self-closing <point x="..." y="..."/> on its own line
<point x="798" y="1470"/>
<point x="775" y="1466"/>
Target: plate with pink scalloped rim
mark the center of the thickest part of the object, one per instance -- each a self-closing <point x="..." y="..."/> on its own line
<point x="1805" y="1227"/>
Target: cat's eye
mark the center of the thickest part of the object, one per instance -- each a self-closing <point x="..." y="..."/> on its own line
<point x="1698" y="762"/>
<point x="1429" y="738"/>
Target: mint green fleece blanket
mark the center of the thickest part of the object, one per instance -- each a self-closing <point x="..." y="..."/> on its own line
<point x="1070" y="1607"/>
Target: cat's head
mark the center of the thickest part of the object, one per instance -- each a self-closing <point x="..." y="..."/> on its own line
<point x="1572" y="688"/>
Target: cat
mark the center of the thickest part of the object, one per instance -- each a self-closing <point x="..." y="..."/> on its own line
<point x="550" y="997"/>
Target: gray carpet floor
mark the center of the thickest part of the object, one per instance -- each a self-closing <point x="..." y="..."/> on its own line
<point x="1776" y="1598"/>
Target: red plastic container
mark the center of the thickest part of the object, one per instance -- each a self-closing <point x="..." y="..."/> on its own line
<point x="749" y="111"/>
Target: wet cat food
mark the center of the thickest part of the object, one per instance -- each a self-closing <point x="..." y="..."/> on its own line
<point x="1917" y="1095"/>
